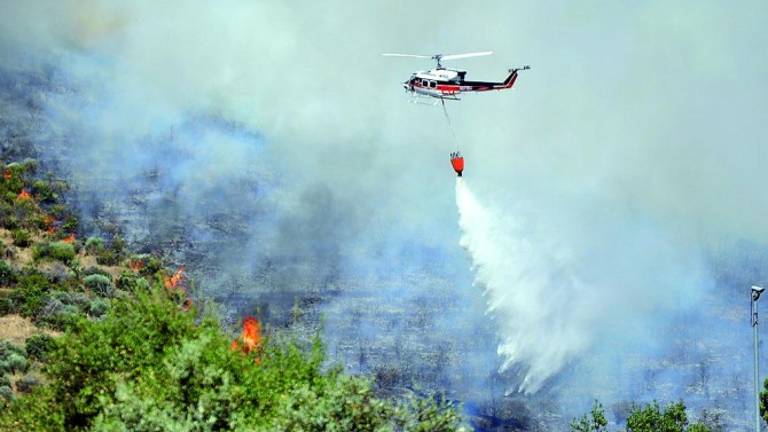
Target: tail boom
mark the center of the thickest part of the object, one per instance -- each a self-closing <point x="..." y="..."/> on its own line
<point x="478" y="86"/>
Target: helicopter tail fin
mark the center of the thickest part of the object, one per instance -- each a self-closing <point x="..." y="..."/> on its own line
<point x="510" y="81"/>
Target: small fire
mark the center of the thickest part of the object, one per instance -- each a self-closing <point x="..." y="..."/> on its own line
<point x="251" y="333"/>
<point x="136" y="265"/>
<point x="50" y="223"/>
<point x="173" y="281"/>
<point x="23" y="195"/>
<point x="7" y="174"/>
<point x="251" y="339"/>
<point x="69" y="239"/>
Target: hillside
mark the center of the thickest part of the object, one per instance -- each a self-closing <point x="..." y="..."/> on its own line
<point x="95" y="337"/>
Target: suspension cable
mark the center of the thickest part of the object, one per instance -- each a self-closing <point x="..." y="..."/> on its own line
<point x="450" y="125"/>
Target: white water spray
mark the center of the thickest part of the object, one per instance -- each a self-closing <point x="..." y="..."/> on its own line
<point x="528" y="292"/>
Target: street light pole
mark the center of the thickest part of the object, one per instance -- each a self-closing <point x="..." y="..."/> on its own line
<point x="756" y="291"/>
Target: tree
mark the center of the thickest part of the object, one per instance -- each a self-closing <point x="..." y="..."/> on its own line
<point x="647" y="418"/>
<point x="595" y="421"/>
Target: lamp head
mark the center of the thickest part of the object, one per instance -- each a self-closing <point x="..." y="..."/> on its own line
<point x="756" y="291"/>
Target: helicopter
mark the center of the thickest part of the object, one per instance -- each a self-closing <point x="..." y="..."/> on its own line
<point x="447" y="84"/>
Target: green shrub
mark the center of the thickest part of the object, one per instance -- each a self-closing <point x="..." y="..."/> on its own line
<point x="6" y="393"/>
<point x="94" y="245"/>
<point x="6" y="211"/>
<point x="7" y="274"/>
<point x="63" y="320"/>
<point x="28" y="166"/>
<point x="11" y="222"/>
<point x="4" y="367"/>
<point x="63" y="309"/>
<point x="99" y="284"/>
<point x="96" y="270"/>
<point x="26" y="383"/>
<point x="21" y="238"/>
<point x="98" y="307"/>
<point x="77" y="299"/>
<point x="17" y="362"/>
<point x="31" y="293"/>
<point x="6" y="306"/>
<point x="59" y="251"/>
<point x="42" y="189"/>
<point x="108" y="257"/>
<point x="148" y="265"/>
<point x="7" y="348"/>
<point x="70" y="224"/>
<point x="131" y="282"/>
<point x="38" y="346"/>
<point x="5" y="380"/>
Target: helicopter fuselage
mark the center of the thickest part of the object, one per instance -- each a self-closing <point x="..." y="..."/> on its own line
<point x="444" y="83"/>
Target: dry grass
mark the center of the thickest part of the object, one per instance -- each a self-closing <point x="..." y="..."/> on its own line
<point x="90" y="261"/>
<point x="21" y="256"/>
<point x="17" y="329"/>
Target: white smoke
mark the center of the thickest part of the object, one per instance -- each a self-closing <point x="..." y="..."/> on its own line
<point x="550" y="304"/>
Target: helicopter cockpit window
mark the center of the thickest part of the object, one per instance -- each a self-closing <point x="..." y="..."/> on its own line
<point x="432" y="84"/>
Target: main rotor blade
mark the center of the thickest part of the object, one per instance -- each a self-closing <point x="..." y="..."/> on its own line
<point x="406" y="55"/>
<point x="466" y="55"/>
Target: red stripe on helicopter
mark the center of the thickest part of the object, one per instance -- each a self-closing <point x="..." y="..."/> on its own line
<point x="448" y="89"/>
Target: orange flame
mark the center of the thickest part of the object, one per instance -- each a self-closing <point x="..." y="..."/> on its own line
<point x="69" y="239"/>
<point x="7" y="174"/>
<point x="251" y="337"/>
<point x="173" y="281"/>
<point x="23" y="195"/>
<point x="251" y="334"/>
<point x="50" y="223"/>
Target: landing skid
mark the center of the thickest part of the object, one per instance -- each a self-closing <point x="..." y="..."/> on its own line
<point x="430" y="100"/>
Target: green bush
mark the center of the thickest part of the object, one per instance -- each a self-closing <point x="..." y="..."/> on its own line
<point x="7" y="348"/>
<point x="17" y="363"/>
<point x="26" y="383"/>
<point x="11" y="222"/>
<point x="149" y="265"/>
<point x="5" y="380"/>
<point x="96" y="270"/>
<point x="6" y="393"/>
<point x="63" y="319"/>
<point x="131" y="282"/>
<point x="7" y="274"/>
<point x="28" y="165"/>
<point x="98" y="307"/>
<point x="99" y="284"/>
<point x="21" y="238"/>
<point x="42" y="189"/>
<point x="70" y="224"/>
<point x="6" y="211"/>
<point x="94" y="245"/>
<point x="6" y="306"/>
<point x="31" y="293"/>
<point x="38" y="346"/>
<point x="58" y="251"/>
<point x="4" y="367"/>
<point x="78" y="299"/>
<point x="108" y="257"/>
